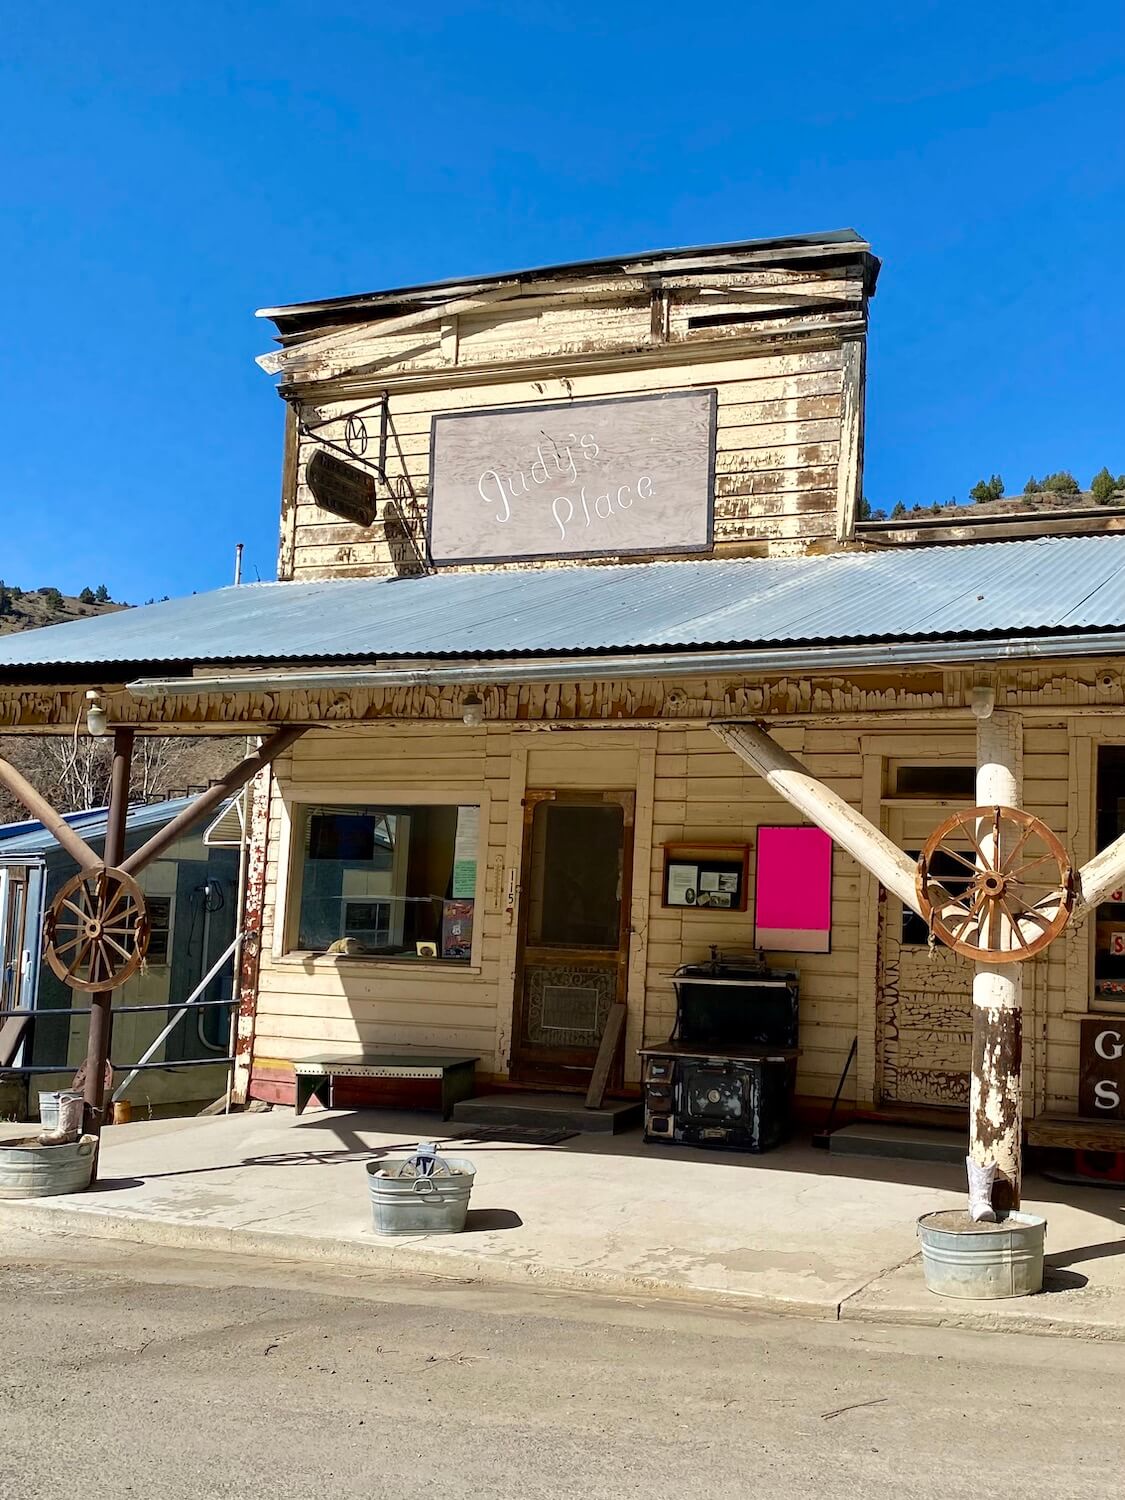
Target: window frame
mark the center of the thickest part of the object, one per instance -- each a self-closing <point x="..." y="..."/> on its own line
<point x="169" y="928"/>
<point x="292" y="800"/>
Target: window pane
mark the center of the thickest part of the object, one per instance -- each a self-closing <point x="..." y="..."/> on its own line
<point x="576" y="866"/>
<point x="397" y="881"/>
<point x="936" y="781"/>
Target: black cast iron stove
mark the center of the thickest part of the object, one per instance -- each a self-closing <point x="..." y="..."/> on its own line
<point x="727" y="1074"/>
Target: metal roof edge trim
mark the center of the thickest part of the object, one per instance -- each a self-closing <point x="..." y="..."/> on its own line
<point x="686" y="663"/>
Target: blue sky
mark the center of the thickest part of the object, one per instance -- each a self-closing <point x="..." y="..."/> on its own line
<point x="168" y="169"/>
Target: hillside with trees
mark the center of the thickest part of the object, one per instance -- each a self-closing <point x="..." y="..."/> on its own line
<point x="27" y="609"/>
<point x="72" y="770"/>
<point x="1056" y="490"/>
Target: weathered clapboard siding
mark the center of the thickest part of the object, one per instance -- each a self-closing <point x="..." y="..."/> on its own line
<point x="781" y="432"/>
<point x="307" y="1004"/>
<point x="705" y="792"/>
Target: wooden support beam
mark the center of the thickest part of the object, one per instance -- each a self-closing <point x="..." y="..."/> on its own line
<point x="101" y="1004"/>
<point x="54" y="822"/>
<point x="824" y="807"/>
<point x="209" y="800"/>
<point x="1097" y="877"/>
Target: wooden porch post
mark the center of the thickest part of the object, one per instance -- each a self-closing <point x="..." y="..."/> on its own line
<point x="995" y="1090"/>
<point x="101" y="1015"/>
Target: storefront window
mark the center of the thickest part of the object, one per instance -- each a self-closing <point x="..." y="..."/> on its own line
<point x="395" y="882"/>
<point x="1109" y="929"/>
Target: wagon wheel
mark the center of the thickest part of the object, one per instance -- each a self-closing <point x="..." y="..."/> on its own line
<point x="96" y="932"/>
<point x="995" y="884"/>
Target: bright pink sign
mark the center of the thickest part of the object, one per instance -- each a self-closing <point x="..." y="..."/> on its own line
<point x="793" y="890"/>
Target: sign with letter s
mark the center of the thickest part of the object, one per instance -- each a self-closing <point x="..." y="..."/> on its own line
<point x="1101" y="1067"/>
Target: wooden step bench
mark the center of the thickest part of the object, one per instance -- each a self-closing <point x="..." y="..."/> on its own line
<point x="455" y="1069"/>
<point x="1076" y="1133"/>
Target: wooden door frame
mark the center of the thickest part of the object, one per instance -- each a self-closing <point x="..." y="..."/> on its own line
<point x="522" y="1070"/>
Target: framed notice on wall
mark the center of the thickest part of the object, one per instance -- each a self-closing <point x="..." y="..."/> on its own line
<point x="793" y="890"/>
<point x="706" y="877"/>
<point x="630" y="474"/>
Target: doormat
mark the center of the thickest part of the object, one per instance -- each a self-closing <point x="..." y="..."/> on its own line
<point x="517" y="1135"/>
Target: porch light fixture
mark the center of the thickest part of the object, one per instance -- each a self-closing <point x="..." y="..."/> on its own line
<point x="473" y="710"/>
<point x="97" y="720"/>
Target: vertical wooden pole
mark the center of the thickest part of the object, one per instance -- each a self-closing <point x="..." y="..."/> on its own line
<point x="996" y="1103"/>
<point x="101" y="1019"/>
<point x="250" y="918"/>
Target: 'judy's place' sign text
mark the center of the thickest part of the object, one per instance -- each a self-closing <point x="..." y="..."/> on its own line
<point x="584" y="479"/>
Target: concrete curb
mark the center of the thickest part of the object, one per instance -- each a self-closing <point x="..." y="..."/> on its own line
<point x="985" y="1322"/>
<point x="406" y="1257"/>
<point x="866" y="1302"/>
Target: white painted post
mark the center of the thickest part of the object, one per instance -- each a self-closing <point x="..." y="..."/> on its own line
<point x="995" y="1101"/>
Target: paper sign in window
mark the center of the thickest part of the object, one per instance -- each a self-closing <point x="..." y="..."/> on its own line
<point x="793" y="890"/>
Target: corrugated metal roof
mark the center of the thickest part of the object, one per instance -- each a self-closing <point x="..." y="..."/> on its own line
<point x="29" y="839"/>
<point x="924" y="593"/>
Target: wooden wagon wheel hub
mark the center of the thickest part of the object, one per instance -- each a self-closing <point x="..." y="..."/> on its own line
<point x="995" y="884"/>
<point x="96" y="931"/>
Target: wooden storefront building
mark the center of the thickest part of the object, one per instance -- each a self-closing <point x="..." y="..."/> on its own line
<point x="543" y="536"/>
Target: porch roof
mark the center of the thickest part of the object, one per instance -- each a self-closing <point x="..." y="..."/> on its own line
<point x="1050" y="585"/>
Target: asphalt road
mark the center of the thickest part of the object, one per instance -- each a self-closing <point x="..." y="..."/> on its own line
<point x="128" y="1371"/>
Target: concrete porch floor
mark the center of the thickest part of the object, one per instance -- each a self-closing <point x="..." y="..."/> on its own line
<point x="793" y="1231"/>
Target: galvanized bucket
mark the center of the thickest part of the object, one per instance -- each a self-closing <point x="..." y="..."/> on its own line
<point x="420" y="1205"/>
<point x="1004" y="1259"/>
<point x="28" y="1170"/>
<point x="49" y="1106"/>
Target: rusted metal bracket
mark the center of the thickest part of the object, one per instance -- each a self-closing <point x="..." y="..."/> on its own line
<point x="209" y="800"/>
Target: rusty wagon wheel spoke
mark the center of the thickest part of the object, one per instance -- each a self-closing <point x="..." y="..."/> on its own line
<point x="97" y="932"/>
<point x="1022" y="874"/>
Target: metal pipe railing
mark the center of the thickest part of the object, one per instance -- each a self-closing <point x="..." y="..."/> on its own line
<point x="191" y="1000"/>
<point x="47" y="1011"/>
<point x="223" y="1060"/>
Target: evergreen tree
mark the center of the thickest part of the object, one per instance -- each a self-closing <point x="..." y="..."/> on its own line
<point x="5" y="600"/>
<point x="1032" y="487"/>
<point x="86" y="596"/>
<point x="1102" y="486"/>
<point x="101" y="594"/>
<point x="987" y="489"/>
<point x="52" y="599"/>
<point x="899" y="510"/>
<point x="1062" y="482"/>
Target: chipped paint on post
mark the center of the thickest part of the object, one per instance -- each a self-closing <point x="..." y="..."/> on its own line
<point x="996" y="1089"/>
<point x="253" y="912"/>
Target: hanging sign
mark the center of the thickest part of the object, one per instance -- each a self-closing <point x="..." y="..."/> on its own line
<point x="341" y="488"/>
<point x="586" y="479"/>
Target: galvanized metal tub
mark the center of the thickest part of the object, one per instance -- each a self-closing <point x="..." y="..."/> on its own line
<point x="28" y="1170"/>
<point x="983" y="1261"/>
<point x="420" y="1205"/>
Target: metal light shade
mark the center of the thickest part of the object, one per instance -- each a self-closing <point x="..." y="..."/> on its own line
<point x="97" y="720"/>
<point x="473" y="713"/>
